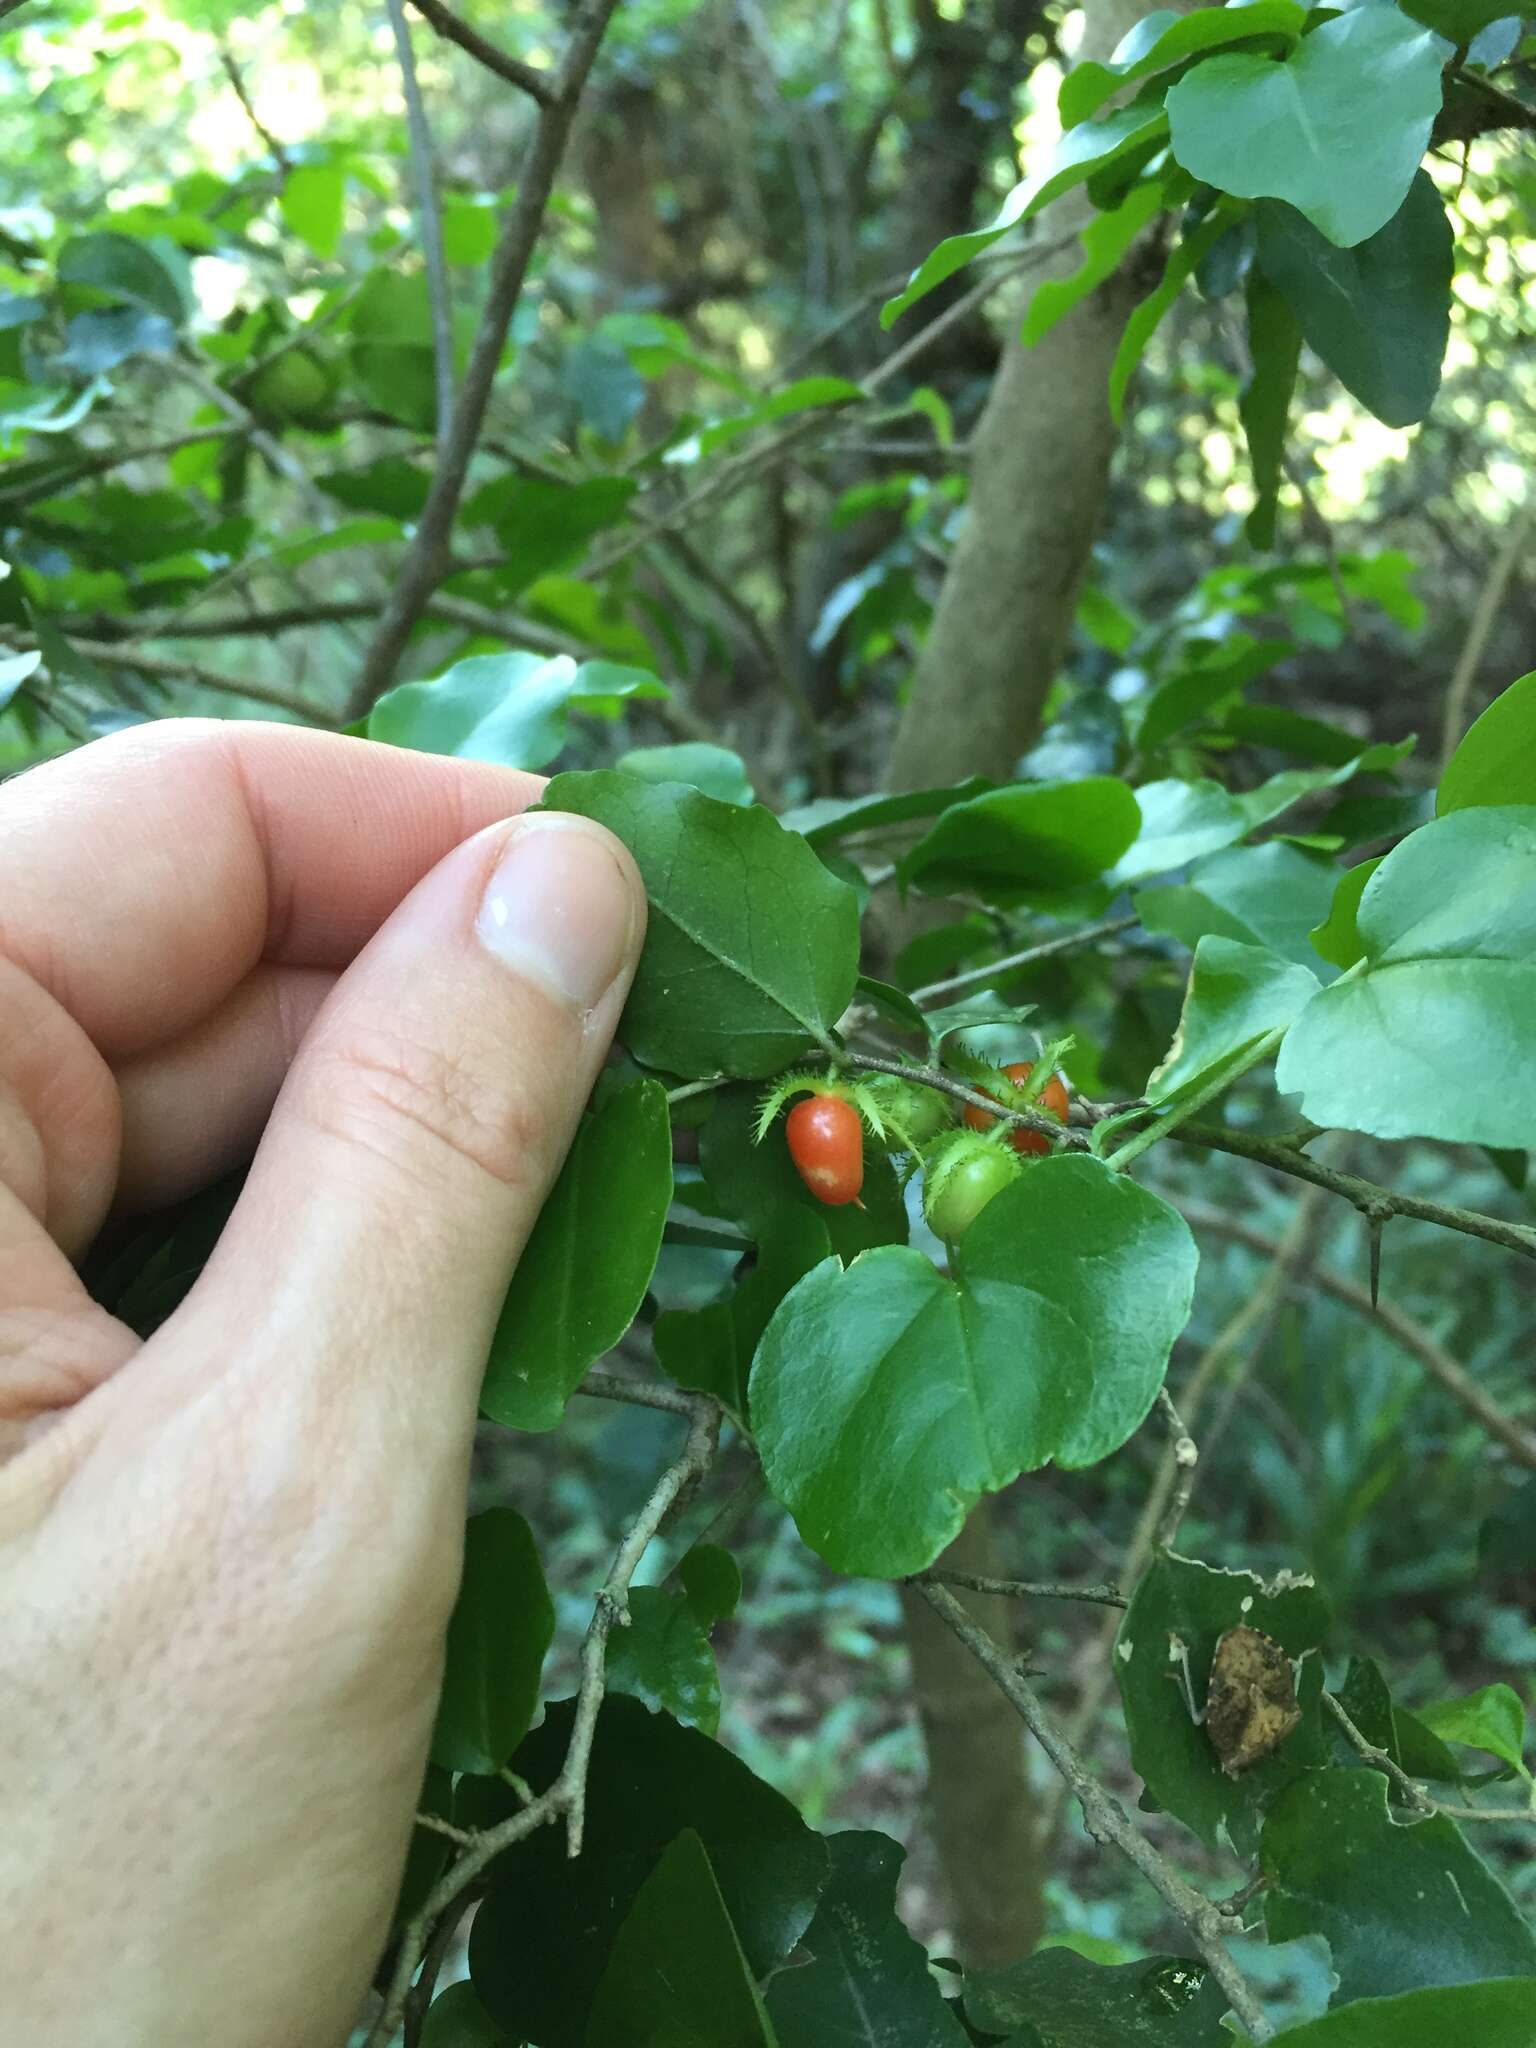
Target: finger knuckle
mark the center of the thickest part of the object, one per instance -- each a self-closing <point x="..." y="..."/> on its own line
<point x="435" y="1108"/>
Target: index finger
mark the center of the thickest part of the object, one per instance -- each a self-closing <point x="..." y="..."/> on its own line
<point x="147" y="874"/>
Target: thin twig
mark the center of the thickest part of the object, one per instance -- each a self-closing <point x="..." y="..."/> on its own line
<point x="236" y="78"/>
<point x="416" y="2005"/>
<point x="429" y="224"/>
<point x="1484" y="613"/>
<point x="1020" y="1589"/>
<point x="170" y="670"/>
<point x="512" y="69"/>
<point x="1185" y="1454"/>
<point x="1437" y="1362"/>
<point x="1414" y="1793"/>
<point x="566" y="1797"/>
<point x="1106" y="1819"/>
<point x="1375" y="1203"/>
<point x="775" y="447"/>
<point x="1048" y="949"/>
<point x="422" y="568"/>
<point x="962" y="1091"/>
<point x="68" y="475"/>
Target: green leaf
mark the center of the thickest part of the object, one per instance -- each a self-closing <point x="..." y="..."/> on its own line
<point x="502" y="1625"/>
<point x="865" y="1982"/>
<point x="676" y="1977"/>
<point x="1012" y="844"/>
<point x="1237" y="994"/>
<point x="1497" y="2014"/>
<point x="759" y="1187"/>
<point x="886" y="1399"/>
<point x="752" y="949"/>
<point x="507" y="708"/>
<point x="1493" y="1718"/>
<point x="711" y="1348"/>
<point x="1106" y="238"/>
<point x="457" y="2019"/>
<point x="1166" y="38"/>
<point x="1181" y="1602"/>
<point x="1337" y="938"/>
<point x="14" y="671"/>
<point x="808" y="394"/>
<point x="1401" y="1904"/>
<point x="1058" y="1999"/>
<point x="830" y="819"/>
<point x="663" y="1657"/>
<point x="1496" y="761"/>
<point x="1447" y="988"/>
<point x="714" y="770"/>
<point x="543" y="526"/>
<point x="1294" y="131"/>
<point x="1181" y="821"/>
<point x="1378" y="313"/>
<point x="1194" y="246"/>
<point x="1271" y="895"/>
<point x="1459" y="21"/>
<point x="712" y="1580"/>
<point x="1506" y="1542"/>
<point x="1091" y="146"/>
<point x="1270" y="725"/>
<point x="1204" y="682"/>
<point x="469" y="230"/>
<point x="124" y="268"/>
<point x="1274" y="347"/>
<point x="390" y="485"/>
<point x="647" y="1781"/>
<point x="313" y="205"/>
<point x="585" y="1269"/>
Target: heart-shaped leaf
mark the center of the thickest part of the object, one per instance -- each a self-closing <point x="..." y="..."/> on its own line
<point x="1434" y="1033"/>
<point x="1294" y="130"/>
<point x="886" y="1399"/>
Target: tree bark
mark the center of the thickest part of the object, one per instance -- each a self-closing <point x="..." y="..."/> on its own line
<point x="1040" y="476"/>
<point x="982" y="1809"/>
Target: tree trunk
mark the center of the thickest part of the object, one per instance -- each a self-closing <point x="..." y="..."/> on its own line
<point x="1040" y="476"/>
<point x="982" y="1809"/>
<point x="1039" y="481"/>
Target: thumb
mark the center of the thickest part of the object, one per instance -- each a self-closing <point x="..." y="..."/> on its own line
<point x="419" y="1130"/>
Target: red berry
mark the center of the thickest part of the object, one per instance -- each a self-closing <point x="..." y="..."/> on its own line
<point x="826" y="1142"/>
<point x="1053" y="1099"/>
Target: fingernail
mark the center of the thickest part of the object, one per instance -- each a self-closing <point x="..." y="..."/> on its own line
<point x="559" y="908"/>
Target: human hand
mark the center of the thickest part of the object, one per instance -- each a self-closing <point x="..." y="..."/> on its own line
<point x="228" y="1555"/>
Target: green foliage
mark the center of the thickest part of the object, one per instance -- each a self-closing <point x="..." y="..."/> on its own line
<point x="886" y="1399"/>
<point x="743" y="916"/>
<point x="1430" y="1034"/>
<point x="864" y="1977"/>
<point x="1378" y="312"/>
<point x="1401" y="1903"/>
<point x="501" y="1627"/>
<point x="508" y="708"/>
<point x="1496" y="761"/>
<point x="1293" y="131"/>
<point x="1180" y="1611"/>
<point x="219" y="436"/>
<point x="560" y="1313"/>
<point x="1061" y="2000"/>
<point x="676" y="1972"/>
<point x="650" y="1781"/>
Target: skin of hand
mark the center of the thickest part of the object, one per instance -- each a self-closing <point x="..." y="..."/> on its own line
<point x="228" y="1555"/>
